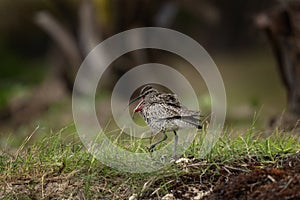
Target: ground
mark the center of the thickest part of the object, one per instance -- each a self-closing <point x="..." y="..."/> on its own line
<point x="252" y="181"/>
<point x="243" y="167"/>
<point x="280" y="180"/>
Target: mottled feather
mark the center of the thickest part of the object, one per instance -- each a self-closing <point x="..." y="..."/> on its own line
<point x="164" y="111"/>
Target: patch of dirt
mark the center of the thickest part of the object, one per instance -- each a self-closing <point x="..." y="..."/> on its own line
<point x="190" y="179"/>
<point x="250" y="180"/>
<point x="281" y="181"/>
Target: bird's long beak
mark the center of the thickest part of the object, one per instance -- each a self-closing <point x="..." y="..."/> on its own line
<point x="135" y="99"/>
<point x="139" y="107"/>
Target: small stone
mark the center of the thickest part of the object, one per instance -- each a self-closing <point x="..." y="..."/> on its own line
<point x="133" y="197"/>
<point x="182" y="160"/>
<point x="168" y="197"/>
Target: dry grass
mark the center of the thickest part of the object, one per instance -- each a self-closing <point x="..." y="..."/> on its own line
<point x="59" y="167"/>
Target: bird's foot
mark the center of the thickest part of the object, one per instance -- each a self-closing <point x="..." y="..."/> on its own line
<point x="174" y="158"/>
<point x="163" y="158"/>
<point x="150" y="149"/>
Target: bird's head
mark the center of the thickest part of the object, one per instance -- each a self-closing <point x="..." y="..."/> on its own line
<point x="148" y="90"/>
<point x="145" y="91"/>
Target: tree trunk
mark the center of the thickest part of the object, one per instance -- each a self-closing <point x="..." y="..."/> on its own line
<point x="282" y="26"/>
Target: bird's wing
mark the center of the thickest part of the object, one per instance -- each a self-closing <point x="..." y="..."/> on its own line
<point x="168" y="106"/>
<point x="159" y="110"/>
<point x="174" y="104"/>
<point x="172" y="112"/>
<point x="170" y="99"/>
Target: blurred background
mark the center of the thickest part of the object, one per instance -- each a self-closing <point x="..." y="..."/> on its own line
<point x="43" y="42"/>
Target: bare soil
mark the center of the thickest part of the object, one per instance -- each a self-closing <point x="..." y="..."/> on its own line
<point x="281" y="181"/>
<point x="247" y="181"/>
<point x="194" y="179"/>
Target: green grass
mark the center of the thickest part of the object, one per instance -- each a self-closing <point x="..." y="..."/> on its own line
<point x="58" y="166"/>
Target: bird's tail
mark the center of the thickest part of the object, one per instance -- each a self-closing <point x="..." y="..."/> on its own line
<point x="193" y="120"/>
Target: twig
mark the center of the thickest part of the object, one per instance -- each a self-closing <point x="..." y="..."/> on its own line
<point x="61" y="36"/>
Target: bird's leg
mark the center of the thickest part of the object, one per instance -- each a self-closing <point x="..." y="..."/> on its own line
<point x="175" y="144"/>
<point x="153" y="145"/>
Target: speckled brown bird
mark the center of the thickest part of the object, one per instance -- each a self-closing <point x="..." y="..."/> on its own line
<point x="163" y="112"/>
